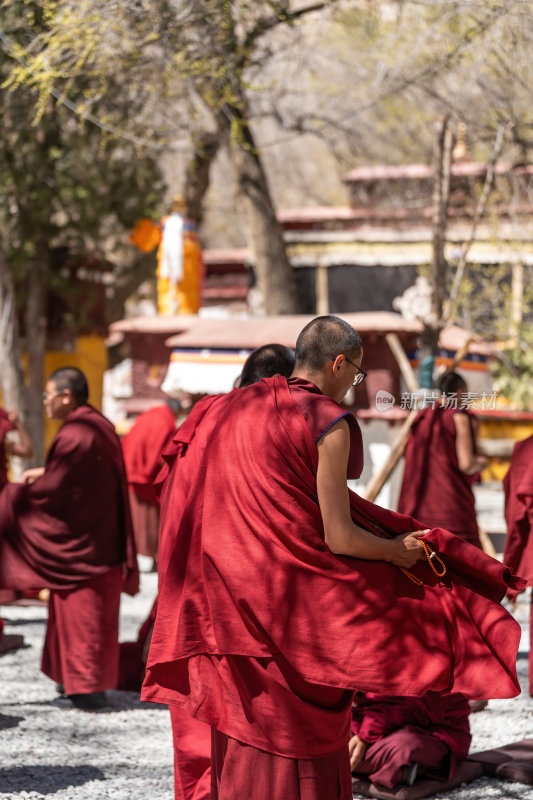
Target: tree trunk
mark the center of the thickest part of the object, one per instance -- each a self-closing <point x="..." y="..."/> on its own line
<point x="36" y="347"/>
<point x="11" y="374"/>
<point x="439" y="265"/>
<point x="275" y="276"/>
<point x="197" y="174"/>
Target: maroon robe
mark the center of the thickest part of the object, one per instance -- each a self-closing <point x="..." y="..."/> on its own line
<point x="434" y="489"/>
<point x="142" y="447"/>
<point x="73" y="523"/>
<point x="191" y="741"/>
<point x="432" y="730"/>
<point x="131" y="656"/>
<point x="81" y="650"/>
<point x="518" y="550"/>
<point x="70" y="531"/>
<point x="270" y="657"/>
<point x="5" y="427"/>
<point x="192" y="738"/>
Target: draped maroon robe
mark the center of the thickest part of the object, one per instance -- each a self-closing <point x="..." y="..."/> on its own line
<point x="142" y="446"/>
<point x="192" y="738"/>
<point x="434" y="489"/>
<point x="261" y="631"/>
<point x="70" y="531"/>
<point x="518" y="550"/>
<point x="432" y="730"/>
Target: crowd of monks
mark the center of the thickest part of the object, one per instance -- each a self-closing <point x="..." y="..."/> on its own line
<point x="300" y="632"/>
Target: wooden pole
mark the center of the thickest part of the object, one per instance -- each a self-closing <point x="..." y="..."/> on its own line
<point x="322" y="290"/>
<point x="403" y="362"/>
<point x="486" y="543"/>
<point x="398" y="446"/>
<point x="458" y="357"/>
<point x="517" y="297"/>
<point x="378" y="480"/>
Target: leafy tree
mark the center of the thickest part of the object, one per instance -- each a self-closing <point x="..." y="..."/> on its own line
<point x="513" y="369"/>
<point x="187" y="66"/>
<point x="68" y="194"/>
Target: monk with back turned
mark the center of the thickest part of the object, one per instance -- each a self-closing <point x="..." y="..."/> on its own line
<point x="281" y="592"/>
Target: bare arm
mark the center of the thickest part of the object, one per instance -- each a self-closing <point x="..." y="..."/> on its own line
<point x="23" y="447"/>
<point x="342" y="536"/>
<point x="468" y="461"/>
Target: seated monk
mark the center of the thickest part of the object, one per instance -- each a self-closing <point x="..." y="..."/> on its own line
<point x="394" y="739"/>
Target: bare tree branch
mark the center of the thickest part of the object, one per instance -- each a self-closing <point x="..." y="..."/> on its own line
<point x="480" y="210"/>
<point x="268" y="23"/>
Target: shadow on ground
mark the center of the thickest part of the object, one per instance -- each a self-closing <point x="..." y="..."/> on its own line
<point x="20" y="622"/>
<point x="46" y="779"/>
<point x="9" y="722"/>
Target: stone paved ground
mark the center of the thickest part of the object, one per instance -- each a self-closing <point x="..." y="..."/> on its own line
<point x="53" y="753"/>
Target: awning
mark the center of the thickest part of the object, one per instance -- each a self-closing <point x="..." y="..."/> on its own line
<point x="203" y="371"/>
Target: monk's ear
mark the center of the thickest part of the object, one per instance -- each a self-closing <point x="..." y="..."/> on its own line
<point x="337" y="363"/>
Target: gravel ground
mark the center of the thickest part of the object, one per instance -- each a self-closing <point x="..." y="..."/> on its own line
<point x="49" y="751"/>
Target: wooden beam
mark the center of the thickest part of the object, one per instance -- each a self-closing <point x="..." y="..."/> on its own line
<point x="321" y="290"/>
<point x="458" y="357"/>
<point x="378" y="480"/>
<point x="403" y="362"/>
<point x="486" y="543"/>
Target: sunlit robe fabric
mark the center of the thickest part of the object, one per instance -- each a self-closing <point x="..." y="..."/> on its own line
<point x="261" y="631"/>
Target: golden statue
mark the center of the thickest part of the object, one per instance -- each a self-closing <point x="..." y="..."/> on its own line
<point x="179" y="259"/>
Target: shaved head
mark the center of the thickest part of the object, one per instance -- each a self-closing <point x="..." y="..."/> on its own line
<point x="323" y="339"/>
<point x="74" y="380"/>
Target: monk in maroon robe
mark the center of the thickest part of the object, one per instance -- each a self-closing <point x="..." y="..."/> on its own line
<point x="142" y="446"/>
<point x="394" y="739"/>
<point x="441" y="463"/>
<point x="23" y="448"/>
<point x="518" y="551"/>
<point x="68" y="528"/>
<point x="192" y="738"/>
<point x="281" y="592"/>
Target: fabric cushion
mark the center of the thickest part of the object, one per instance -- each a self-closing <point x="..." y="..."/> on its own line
<point x="467" y="771"/>
<point x="521" y="771"/>
<point x="491" y="760"/>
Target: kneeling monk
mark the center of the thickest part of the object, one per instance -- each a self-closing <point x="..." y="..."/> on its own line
<point x="395" y="739"/>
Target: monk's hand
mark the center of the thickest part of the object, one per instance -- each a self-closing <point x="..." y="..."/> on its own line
<point x="31" y="475"/>
<point x="13" y="418"/>
<point x="357" y="750"/>
<point x="406" y="550"/>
